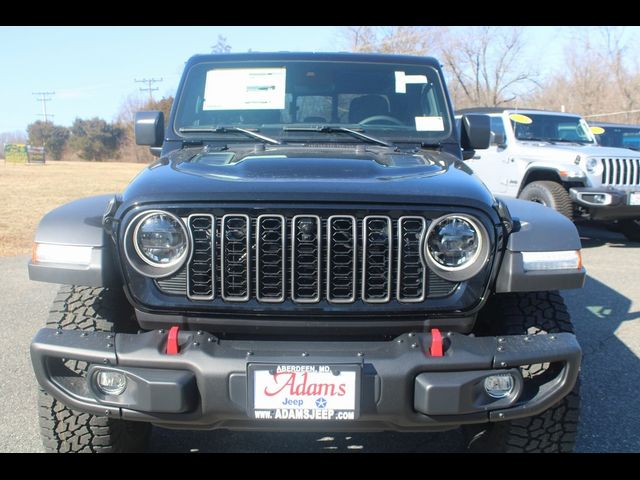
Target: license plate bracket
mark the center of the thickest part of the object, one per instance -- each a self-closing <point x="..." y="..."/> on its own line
<point x="303" y="392"/>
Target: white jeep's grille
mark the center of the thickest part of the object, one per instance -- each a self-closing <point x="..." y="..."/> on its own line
<point x="620" y="171"/>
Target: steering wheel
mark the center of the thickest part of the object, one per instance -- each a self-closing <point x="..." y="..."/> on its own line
<point x="377" y="118"/>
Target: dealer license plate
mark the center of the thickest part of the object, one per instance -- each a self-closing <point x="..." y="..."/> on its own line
<point x="304" y="392"/>
<point x="634" y="198"/>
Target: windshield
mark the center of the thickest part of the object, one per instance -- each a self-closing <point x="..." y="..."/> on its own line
<point x="389" y="101"/>
<point x="622" y="137"/>
<point x="550" y="128"/>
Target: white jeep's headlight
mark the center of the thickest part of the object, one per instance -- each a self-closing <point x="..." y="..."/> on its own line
<point x="456" y="247"/>
<point x="593" y="166"/>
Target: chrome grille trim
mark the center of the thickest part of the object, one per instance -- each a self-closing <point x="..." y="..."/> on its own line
<point x="244" y="258"/>
<point x="331" y="267"/>
<point x="367" y="271"/>
<point x="194" y="251"/>
<point x="402" y="274"/>
<point x="259" y="267"/>
<point x="295" y="252"/>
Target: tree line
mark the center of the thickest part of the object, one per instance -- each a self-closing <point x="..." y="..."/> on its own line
<point x="95" y="139"/>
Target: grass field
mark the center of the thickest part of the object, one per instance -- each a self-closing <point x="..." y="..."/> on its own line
<point x="30" y="191"/>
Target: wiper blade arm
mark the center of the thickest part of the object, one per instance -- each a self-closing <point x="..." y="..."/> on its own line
<point x="244" y="131"/>
<point x="348" y="131"/>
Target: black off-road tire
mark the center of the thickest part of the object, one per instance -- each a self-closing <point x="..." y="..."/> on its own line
<point x="631" y="229"/>
<point x="553" y="430"/>
<point x="550" y="194"/>
<point x="62" y="429"/>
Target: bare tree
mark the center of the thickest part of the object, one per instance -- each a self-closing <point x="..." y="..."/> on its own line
<point x="598" y="77"/>
<point x="487" y="66"/>
<point x="406" y="40"/>
<point x="221" y="45"/>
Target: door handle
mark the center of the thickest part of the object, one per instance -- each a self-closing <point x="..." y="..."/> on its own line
<point x="476" y="157"/>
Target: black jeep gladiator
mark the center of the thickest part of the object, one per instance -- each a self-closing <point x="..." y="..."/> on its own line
<point x="309" y="252"/>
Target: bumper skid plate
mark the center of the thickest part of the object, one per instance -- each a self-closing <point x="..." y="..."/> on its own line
<point x="210" y="382"/>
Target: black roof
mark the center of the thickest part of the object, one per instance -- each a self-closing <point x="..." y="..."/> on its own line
<point x="613" y="125"/>
<point x="502" y="109"/>
<point x="325" y="56"/>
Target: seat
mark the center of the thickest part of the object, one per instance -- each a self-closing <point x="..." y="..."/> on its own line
<point x="367" y="106"/>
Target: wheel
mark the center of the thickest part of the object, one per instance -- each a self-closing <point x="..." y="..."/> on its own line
<point x="631" y="229"/>
<point x="549" y="194"/>
<point x="380" y="118"/>
<point x="553" y="430"/>
<point x="63" y="429"/>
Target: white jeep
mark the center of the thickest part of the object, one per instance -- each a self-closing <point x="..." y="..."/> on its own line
<point x="553" y="158"/>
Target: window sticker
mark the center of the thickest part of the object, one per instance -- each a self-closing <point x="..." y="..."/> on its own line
<point x="245" y="89"/>
<point x="429" y="124"/>
<point x="402" y="80"/>
<point x="597" y="130"/>
<point x="519" y="118"/>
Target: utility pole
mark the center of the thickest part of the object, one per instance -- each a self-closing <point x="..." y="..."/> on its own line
<point x="149" y="82"/>
<point x="44" y="97"/>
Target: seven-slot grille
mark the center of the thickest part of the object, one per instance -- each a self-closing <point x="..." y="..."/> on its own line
<point x="620" y="171"/>
<point x="307" y="259"/>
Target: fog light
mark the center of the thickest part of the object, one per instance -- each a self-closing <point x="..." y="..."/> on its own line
<point x="111" y="383"/>
<point x="499" y="386"/>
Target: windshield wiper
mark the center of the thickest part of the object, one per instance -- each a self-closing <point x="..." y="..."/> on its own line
<point x="348" y="131"/>
<point x="244" y="131"/>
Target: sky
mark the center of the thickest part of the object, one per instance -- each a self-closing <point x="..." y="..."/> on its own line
<point x="92" y="69"/>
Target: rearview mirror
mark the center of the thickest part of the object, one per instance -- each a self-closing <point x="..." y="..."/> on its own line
<point x="149" y="128"/>
<point x="475" y="133"/>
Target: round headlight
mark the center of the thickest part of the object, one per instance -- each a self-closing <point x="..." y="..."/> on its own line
<point x="160" y="239"/>
<point x="456" y="247"/>
<point x="593" y="166"/>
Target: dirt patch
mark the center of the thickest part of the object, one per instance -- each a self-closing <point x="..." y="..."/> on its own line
<point x="30" y="191"/>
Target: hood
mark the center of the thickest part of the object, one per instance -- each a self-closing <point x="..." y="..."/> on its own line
<point x="568" y="151"/>
<point x="298" y="176"/>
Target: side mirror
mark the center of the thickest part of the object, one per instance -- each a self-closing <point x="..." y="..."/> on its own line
<point x="149" y="128"/>
<point x="475" y="133"/>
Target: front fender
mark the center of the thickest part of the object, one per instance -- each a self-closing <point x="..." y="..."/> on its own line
<point x="565" y="172"/>
<point x="77" y="224"/>
<point x="537" y="229"/>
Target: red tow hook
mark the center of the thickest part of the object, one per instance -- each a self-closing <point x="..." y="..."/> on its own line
<point x="436" y="343"/>
<point x="172" y="340"/>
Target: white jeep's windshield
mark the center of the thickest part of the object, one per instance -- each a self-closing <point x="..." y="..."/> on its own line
<point x="551" y="128"/>
<point x="387" y="101"/>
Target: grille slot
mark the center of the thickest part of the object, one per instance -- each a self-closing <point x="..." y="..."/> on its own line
<point x="376" y="259"/>
<point x="235" y="258"/>
<point x="200" y="278"/>
<point x="306" y="239"/>
<point x="270" y="258"/>
<point x="412" y="277"/>
<point x="341" y="259"/>
<point x="620" y="171"/>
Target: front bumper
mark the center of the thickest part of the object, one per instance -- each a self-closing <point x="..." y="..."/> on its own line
<point x="606" y="203"/>
<point x="401" y="387"/>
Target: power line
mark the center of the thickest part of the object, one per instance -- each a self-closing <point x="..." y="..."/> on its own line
<point x="44" y="97"/>
<point x="149" y="82"/>
<point x="612" y="113"/>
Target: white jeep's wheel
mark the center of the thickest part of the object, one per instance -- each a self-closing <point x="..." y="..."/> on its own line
<point x="65" y="430"/>
<point x="549" y="194"/>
